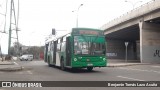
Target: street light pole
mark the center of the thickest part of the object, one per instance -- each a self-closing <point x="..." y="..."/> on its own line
<point x="133" y="4"/>
<point x="77" y="15"/>
<point x="126" y="44"/>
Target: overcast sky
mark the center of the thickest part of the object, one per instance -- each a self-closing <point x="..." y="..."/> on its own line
<point x="38" y="17"/>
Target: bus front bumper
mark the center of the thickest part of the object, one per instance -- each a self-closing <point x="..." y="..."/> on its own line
<point x="88" y="64"/>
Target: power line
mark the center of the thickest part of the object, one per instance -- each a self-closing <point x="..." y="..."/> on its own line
<point x="5" y="16"/>
<point x="2" y="4"/>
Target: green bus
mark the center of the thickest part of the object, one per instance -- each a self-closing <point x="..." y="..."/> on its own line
<point x="81" y="48"/>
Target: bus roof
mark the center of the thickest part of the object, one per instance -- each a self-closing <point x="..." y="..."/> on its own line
<point x="86" y="29"/>
<point x="54" y="38"/>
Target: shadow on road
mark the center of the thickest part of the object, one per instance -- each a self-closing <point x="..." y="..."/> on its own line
<point x="82" y="71"/>
<point x="77" y="70"/>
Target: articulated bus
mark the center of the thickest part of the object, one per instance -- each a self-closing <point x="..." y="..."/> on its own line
<point x="81" y="48"/>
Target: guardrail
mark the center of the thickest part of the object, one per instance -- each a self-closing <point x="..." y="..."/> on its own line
<point x="131" y="14"/>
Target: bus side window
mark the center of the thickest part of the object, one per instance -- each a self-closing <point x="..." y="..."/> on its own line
<point x="58" y="45"/>
<point x="46" y="47"/>
<point x="63" y="44"/>
<point x="52" y="47"/>
<point x="49" y="44"/>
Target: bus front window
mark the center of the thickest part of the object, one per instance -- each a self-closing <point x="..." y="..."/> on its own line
<point x="81" y="48"/>
<point x="84" y="46"/>
<point x="98" y="48"/>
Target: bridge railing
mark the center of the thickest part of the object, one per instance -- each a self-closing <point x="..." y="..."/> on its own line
<point x="133" y="13"/>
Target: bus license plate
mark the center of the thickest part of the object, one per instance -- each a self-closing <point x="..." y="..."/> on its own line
<point x="89" y="64"/>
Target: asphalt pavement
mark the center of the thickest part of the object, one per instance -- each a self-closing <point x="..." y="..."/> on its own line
<point x="13" y="66"/>
<point x="38" y="70"/>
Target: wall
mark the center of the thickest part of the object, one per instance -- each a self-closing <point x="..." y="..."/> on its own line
<point x="149" y="42"/>
<point x="116" y="49"/>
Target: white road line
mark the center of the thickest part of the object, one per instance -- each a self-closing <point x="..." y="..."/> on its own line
<point x="16" y="63"/>
<point x="29" y="72"/>
<point x="156" y="71"/>
<point x="140" y="70"/>
<point x="135" y="69"/>
<point x="156" y="66"/>
<point x="131" y="78"/>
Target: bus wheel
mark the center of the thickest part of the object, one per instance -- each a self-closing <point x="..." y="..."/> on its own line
<point x="62" y="65"/>
<point x="49" y="64"/>
<point x="89" y="68"/>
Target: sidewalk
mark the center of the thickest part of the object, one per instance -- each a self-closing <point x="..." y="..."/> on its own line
<point x="9" y="66"/>
<point x="122" y="63"/>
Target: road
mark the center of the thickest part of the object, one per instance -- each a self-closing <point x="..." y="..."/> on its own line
<point x="39" y="71"/>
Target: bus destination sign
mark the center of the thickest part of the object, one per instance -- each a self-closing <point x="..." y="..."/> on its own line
<point x="88" y="32"/>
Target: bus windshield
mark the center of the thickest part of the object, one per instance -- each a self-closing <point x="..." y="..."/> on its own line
<point x="89" y="45"/>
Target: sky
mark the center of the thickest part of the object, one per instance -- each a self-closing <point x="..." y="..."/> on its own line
<point x="38" y="17"/>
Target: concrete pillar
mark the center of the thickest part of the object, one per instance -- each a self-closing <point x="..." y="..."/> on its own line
<point x="149" y="42"/>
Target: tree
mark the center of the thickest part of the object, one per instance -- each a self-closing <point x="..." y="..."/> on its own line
<point x="16" y="49"/>
<point x="35" y="50"/>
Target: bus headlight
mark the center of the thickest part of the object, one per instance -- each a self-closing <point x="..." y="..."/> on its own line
<point x="104" y="59"/>
<point x="75" y="59"/>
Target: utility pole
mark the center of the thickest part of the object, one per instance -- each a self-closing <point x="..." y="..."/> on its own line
<point x="13" y="21"/>
<point x="1" y="53"/>
<point x="10" y="29"/>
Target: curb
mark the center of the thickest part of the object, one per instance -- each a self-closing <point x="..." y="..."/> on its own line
<point x="118" y="65"/>
<point x="128" y="65"/>
<point x="17" y="68"/>
<point x="11" y="66"/>
<point x="10" y="63"/>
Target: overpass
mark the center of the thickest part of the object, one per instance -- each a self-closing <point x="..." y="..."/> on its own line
<point x="141" y="28"/>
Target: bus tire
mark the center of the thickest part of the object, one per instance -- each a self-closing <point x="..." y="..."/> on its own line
<point x="62" y="65"/>
<point x="49" y="62"/>
<point x="89" y="68"/>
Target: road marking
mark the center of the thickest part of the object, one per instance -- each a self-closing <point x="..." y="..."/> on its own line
<point x="15" y="63"/>
<point x="156" y="66"/>
<point x="140" y="70"/>
<point x="29" y="72"/>
<point x="131" y="78"/>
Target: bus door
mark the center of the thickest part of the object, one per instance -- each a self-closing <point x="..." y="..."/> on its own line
<point x="54" y="52"/>
<point x="68" y="52"/>
<point x="46" y="52"/>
